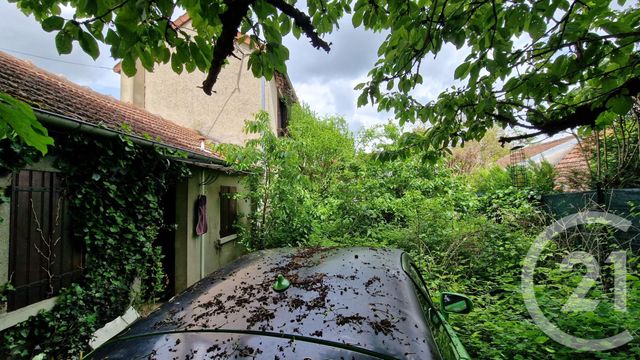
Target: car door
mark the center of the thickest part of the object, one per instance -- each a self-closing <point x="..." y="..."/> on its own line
<point x="448" y="343"/>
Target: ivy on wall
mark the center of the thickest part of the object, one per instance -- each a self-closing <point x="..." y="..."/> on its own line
<point x="114" y="188"/>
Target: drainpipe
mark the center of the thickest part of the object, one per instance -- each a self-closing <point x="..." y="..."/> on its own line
<point x="202" y="236"/>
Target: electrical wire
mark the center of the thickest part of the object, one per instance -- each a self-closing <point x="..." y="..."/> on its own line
<point x="56" y="60"/>
<point x="236" y="89"/>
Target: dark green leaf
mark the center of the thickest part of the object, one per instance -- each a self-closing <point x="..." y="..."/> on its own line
<point x="620" y="104"/>
<point x="129" y="65"/>
<point x="20" y="118"/>
<point x="89" y="44"/>
<point x="64" y="43"/>
<point x="52" y="23"/>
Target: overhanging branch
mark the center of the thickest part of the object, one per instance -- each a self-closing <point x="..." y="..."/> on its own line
<point x="582" y="115"/>
<point x="224" y="44"/>
<point x="302" y="21"/>
<point x="231" y="19"/>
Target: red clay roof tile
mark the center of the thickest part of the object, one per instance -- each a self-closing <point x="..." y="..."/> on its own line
<point x="52" y="93"/>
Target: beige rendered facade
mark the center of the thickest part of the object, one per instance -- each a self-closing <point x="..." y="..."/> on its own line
<point x="177" y="97"/>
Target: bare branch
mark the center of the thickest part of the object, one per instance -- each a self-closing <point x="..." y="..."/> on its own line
<point x="506" y="139"/>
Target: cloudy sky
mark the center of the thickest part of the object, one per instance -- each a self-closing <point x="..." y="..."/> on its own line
<point x="21" y="35"/>
<point x="324" y="81"/>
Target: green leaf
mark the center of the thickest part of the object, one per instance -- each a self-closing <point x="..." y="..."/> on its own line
<point x="22" y="121"/>
<point x="296" y="31"/>
<point x="129" y="65"/>
<point x="541" y="339"/>
<point x="112" y="37"/>
<point x="64" y="43"/>
<point x="89" y="44"/>
<point x="620" y="104"/>
<point x="605" y="119"/>
<point x="176" y="65"/>
<point x="145" y="58"/>
<point x="52" y="23"/>
<point x="537" y="27"/>
<point x="462" y="71"/>
<point x="356" y="20"/>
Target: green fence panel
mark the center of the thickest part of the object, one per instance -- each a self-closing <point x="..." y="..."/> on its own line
<point x="621" y="202"/>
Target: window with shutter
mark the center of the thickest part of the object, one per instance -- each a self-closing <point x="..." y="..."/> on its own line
<point x="228" y="210"/>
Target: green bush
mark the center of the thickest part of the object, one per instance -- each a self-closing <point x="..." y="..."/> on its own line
<point x="468" y="233"/>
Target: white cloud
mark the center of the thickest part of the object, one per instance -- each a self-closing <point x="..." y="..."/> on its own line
<point x="326" y="81"/>
<point x="317" y="95"/>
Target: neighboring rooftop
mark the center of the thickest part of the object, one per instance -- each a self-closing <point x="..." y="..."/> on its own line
<point x="537" y="151"/>
<point x="54" y="94"/>
<point x="567" y="156"/>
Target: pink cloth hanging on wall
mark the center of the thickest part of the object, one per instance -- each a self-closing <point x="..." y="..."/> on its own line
<point x="202" y="227"/>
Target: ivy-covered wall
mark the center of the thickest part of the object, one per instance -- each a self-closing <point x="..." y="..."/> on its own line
<point x="114" y="187"/>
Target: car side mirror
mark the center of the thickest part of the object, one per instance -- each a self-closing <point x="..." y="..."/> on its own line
<point x="455" y="303"/>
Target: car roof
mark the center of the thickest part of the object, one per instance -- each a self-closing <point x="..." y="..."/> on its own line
<point x="341" y="302"/>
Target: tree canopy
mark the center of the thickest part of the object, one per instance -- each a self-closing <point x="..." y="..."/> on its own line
<point x="541" y="66"/>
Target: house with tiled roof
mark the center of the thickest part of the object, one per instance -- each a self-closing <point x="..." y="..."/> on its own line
<point x="568" y="155"/>
<point x="238" y="95"/>
<point x="64" y="108"/>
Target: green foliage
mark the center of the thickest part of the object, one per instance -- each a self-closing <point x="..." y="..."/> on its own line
<point x="618" y="163"/>
<point x="323" y="147"/>
<point x="539" y="177"/>
<point x="18" y="120"/>
<point x="289" y="175"/>
<point x="550" y="64"/>
<point x="542" y="176"/>
<point x="475" y="155"/>
<point x="546" y="65"/>
<point x="283" y="214"/>
<point x="117" y="229"/>
<point x="501" y="327"/>
<point x="485" y="180"/>
<point x="468" y="233"/>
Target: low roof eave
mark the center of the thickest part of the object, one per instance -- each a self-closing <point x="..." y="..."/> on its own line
<point x="193" y="158"/>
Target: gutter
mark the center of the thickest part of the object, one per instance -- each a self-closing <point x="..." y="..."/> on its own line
<point x="66" y="122"/>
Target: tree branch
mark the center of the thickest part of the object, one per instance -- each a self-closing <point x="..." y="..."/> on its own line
<point x="101" y="17"/>
<point x="582" y="115"/>
<point x="302" y="21"/>
<point x="506" y="139"/>
<point x="586" y="114"/>
<point x="224" y="44"/>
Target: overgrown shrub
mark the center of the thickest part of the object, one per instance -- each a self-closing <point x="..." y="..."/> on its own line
<point x="114" y="188"/>
<point x="468" y="234"/>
